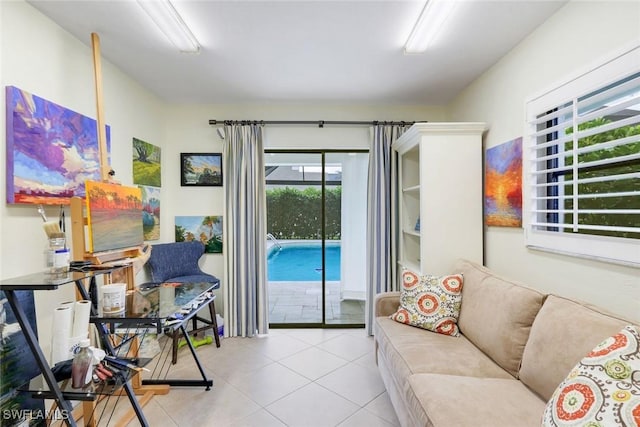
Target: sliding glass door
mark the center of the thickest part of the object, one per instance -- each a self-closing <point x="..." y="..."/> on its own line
<point x="294" y="239"/>
<point x="316" y="216"/>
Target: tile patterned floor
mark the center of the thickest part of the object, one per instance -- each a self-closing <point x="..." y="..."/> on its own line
<point x="301" y="302"/>
<point x="292" y="377"/>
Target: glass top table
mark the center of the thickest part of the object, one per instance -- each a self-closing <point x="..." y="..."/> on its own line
<point x="154" y="304"/>
<point x="159" y="301"/>
<point x="48" y="281"/>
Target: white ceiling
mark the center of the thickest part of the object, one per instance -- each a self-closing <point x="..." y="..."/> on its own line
<point x="274" y="51"/>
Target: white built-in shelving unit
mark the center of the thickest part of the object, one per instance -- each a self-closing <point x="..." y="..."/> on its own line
<point x="439" y="182"/>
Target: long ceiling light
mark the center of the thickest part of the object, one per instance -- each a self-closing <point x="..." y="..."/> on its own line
<point x="169" y="21"/>
<point x="431" y="20"/>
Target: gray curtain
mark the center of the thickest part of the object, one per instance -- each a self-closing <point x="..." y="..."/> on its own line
<point x="380" y="218"/>
<point x="245" y="291"/>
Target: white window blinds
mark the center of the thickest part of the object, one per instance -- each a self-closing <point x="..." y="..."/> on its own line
<point x="583" y="159"/>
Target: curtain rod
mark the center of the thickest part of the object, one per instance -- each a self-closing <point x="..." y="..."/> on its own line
<point x="319" y="123"/>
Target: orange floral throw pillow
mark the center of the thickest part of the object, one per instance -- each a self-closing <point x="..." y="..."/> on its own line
<point x="430" y="302"/>
<point x="603" y="389"/>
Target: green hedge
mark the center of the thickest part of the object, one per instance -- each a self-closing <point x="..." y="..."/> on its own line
<point x="296" y="214"/>
<point x="596" y="187"/>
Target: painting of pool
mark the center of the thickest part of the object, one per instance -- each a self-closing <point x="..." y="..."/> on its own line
<point x="302" y="262"/>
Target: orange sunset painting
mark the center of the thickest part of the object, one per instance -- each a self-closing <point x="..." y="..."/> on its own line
<point x="503" y="185"/>
<point x="114" y="216"/>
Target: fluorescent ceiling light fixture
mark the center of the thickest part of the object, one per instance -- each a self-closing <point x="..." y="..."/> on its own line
<point x="431" y="20"/>
<point x="169" y="21"/>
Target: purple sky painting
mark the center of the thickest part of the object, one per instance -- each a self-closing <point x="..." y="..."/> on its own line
<point x="51" y="150"/>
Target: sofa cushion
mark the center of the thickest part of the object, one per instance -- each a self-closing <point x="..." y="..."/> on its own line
<point x="600" y="389"/>
<point x="436" y="400"/>
<point x="563" y="332"/>
<point x="496" y="314"/>
<point x="410" y="350"/>
<point x="430" y="302"/>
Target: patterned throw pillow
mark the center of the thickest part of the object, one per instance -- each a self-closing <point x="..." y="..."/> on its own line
<point x="430" y="302"/>
<point x="603" y="389"/>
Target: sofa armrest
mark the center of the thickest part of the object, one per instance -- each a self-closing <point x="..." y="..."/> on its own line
<point x="386" y="303"/>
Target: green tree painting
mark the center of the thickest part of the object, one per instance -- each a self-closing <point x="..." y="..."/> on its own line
<point x="146" y="163"/>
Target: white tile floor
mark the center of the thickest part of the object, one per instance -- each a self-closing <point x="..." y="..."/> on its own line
<point x="301" y="302"/>
<point x="292" y="377"/>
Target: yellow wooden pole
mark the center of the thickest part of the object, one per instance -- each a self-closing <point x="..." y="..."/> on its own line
<point x="102" y="131"/>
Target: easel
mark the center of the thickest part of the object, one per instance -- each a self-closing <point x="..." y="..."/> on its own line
<point x="79" y="253"/>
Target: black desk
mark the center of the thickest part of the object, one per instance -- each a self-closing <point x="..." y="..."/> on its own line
<point x="152" y="304"/>
<point x="45" y="281"/>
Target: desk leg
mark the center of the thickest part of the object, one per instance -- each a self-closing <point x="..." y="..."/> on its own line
<point x="134" y="403"/>
<point x="214" y="320"/>
<point x="32" y="341"/>
<point x="207" y="383"/>
<point x="195" y="356"/>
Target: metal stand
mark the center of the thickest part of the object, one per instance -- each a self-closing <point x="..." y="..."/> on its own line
<point x="32" y="341"/>
<point x="205" y="382"/>
<point x="48" y="387"/>
<point x="103" y="332"/>
<point x="209" y="324"/>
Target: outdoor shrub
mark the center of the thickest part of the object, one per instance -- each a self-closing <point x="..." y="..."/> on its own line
<point x="297" y="214"/>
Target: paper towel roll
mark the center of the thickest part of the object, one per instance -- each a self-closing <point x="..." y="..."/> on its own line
<point x="71" y="305"/>
<point x="82" y="310"/>
<point x="62" y="325"/>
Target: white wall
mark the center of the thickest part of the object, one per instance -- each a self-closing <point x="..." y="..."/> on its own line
<point x="570" y="41"/>
<point x="41" y="58"/>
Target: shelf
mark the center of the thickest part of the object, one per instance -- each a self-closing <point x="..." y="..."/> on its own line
<point x="412" y="189"/>
<point x="40" y="390"/>
<point x="450" y="227"/>
<point x="413" y="266"/>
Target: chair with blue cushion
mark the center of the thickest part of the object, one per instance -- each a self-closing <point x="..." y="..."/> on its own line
<point x="178" y="262"/>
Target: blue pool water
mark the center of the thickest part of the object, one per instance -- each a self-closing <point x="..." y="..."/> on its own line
<point x="303" y="262"/>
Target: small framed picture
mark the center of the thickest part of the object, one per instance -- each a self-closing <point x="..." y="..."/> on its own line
<point x="201" y="169"/>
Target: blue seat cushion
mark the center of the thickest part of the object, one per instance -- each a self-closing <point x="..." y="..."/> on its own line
<point x="178" y="262"/>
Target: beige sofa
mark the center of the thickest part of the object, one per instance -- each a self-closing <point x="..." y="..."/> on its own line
<point x="516" y="346"/>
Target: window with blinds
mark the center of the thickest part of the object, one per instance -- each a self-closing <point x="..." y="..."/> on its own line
<point x="584" y="174"/>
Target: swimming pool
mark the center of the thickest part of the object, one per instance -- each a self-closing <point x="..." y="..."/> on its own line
<point x="302" y="261"/>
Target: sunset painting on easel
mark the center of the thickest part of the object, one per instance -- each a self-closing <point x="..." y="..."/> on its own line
<point x="114" y="216"/>
<point x="503" y="185"/>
